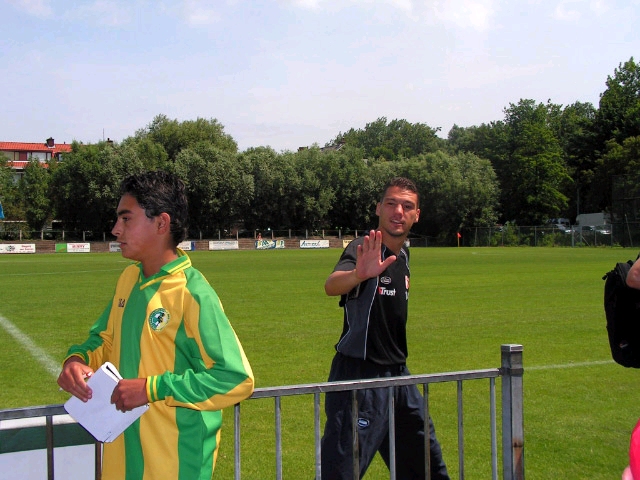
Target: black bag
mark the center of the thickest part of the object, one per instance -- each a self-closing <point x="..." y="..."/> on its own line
<point x="622" y="309"/>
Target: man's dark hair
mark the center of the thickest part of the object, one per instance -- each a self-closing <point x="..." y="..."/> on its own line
<point x="160" y="192"/>
<point x="404" y="184"/>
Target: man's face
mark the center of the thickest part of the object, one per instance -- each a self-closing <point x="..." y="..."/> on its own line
<point x="397" y="211"/>
<point x="136" y="232"/>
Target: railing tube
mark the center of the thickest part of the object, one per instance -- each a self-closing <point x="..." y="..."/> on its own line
<point x="512" y="414"/>
<point x="278" y="439"/>
<point x="427" y="433"/>
<point x="316" y="423"/>
<point x="392" y="434"/>
<point x="236" y="432"/>
<point x="460" y="432"/>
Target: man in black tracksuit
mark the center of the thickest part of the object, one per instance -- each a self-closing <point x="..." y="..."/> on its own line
<point x="372" y="278"/>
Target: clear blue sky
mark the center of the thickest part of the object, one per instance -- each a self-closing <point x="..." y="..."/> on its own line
<point x="291" y="73"/>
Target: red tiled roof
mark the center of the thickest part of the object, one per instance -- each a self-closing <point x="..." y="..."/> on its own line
<point x="34" y="147"/>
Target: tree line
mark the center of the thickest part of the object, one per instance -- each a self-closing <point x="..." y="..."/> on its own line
<point x="541" y="161"/>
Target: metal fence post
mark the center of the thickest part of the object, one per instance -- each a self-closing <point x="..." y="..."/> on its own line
<point x="512" y="415"/>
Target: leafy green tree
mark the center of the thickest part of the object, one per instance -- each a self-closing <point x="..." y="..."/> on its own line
<point x="34" y="186"/>
<point x="617" y="120"/>
<point x="393" y="140"/>
<point x="9" y="194"/>
<point x="575" y="131"/>
<point x="276" y="188"/>
<point x="219" y="188"/>
<point x="174" y="136"/>
<point x="316" y="192"/>
<point x="532" y="172"/>
<point x="355" y="191"/>
<point x="456" y="191"/>
<point x="85" y="186"/>
<point x="618" y="116"/>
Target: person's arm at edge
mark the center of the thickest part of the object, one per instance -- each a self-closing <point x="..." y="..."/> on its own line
<point x="633" y="277"/>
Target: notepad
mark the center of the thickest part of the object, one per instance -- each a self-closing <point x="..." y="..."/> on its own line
<point x="98" y="415"/>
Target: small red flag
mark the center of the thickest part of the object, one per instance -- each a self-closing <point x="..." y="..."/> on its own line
<point x="458" y="234"/>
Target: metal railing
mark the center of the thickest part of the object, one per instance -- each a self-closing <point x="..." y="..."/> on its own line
<point x="512" y="420"/>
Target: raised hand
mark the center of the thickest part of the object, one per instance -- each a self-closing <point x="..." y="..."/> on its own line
<point x="368" y="257"/>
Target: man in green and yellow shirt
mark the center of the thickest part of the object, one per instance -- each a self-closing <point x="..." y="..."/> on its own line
<point x="166" y="332"/>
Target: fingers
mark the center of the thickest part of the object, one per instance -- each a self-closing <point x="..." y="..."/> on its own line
<point x="73" y="380"/>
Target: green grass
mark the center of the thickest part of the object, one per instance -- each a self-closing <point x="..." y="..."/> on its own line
<point x="465" y="303"/>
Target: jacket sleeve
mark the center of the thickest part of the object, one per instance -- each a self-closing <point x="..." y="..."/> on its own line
<point x="96" y="349"/>
<point x="219" y="374"/>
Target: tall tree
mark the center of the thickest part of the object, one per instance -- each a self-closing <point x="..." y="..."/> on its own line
<point x="34" y="186"/>
<point x="456" y="191"/>
<point x="617" y="121"/>
<point x="276" y="189"/>
<point x="392" y="140"/>
<point x="175" y="136"/>
<point x="85" y="186"/>
<point x="9" y="195"/>
<point x="575" y="131"/>
<point x="218" y="187"/>
<point x="532" y="173"/>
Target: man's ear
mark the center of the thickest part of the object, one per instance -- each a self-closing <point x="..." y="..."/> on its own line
<point x="417" y="215"/>
<point x="164" y="223"/>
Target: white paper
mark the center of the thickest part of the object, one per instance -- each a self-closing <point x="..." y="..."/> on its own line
<point x="98" y="415"/>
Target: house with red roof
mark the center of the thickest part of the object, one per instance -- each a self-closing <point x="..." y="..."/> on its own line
<point x="18" y="154"/>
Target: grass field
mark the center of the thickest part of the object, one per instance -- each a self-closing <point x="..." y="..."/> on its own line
<point x="579" y="406"/>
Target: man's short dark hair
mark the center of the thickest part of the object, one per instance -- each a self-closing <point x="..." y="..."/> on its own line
<point x="160" y="192"/>
<point x="404" y="184"/>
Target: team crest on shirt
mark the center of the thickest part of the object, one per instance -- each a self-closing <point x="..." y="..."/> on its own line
<point x="159" y="319"/>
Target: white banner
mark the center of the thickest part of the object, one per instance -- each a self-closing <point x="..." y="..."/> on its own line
<point x="187" y="246"/>
<point x="18" y="248"/>
<point x="314" y="243"/>
<point x="78" y="247"/>
<point x="114" y="247"/>
<point x="223" y="245"/>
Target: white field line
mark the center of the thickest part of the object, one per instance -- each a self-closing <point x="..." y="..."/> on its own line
<point x="31" y="274"/>
<point x="569" y="365"/>
<point x="53" y="367"/>
<point x="49" y="363"/>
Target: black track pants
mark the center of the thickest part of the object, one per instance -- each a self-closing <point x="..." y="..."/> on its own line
<point x="373" y="425"/>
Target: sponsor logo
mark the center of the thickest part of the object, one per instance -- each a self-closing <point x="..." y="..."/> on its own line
<point x="389" y="292"/>
<point x="385" y="280"/>
<point x="363" y="423"/>
<point x="159" y="319"/>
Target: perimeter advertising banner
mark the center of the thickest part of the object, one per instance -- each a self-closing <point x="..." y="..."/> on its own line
<point x="84" y="247"/>
<point x="314" y="243"/>
<point x="18" y="248"/>
<point x="223" y="245"/>
<point x="187" y="246"/>
<point x="269" y="244"/>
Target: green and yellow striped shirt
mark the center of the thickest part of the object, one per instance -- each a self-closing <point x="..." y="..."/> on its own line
<point x="172" y="330"/>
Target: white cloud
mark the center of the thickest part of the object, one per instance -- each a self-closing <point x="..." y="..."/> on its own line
<point x="474" y="14"/>
<point x="198" y="12"/>
<point x="38" y="8"/>
<point x="109" y="13"/>
<point x="565" y="11"/>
